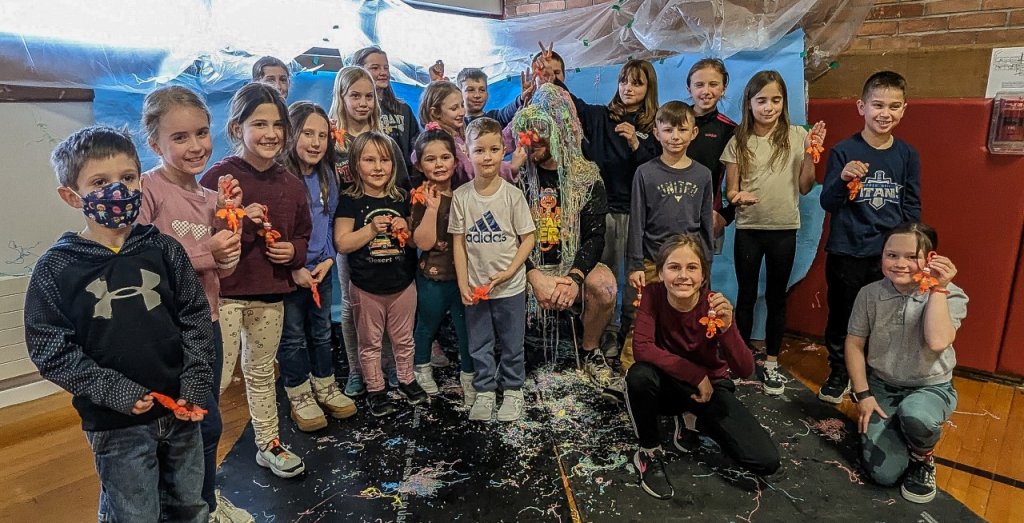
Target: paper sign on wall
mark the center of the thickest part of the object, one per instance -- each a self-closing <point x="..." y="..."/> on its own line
<point x="1006" y="71"/>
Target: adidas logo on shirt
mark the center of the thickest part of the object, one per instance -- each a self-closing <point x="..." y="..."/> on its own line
<point x="486" y="230"/>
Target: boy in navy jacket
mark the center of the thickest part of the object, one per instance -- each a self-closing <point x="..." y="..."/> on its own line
<point x="889" y="193"/>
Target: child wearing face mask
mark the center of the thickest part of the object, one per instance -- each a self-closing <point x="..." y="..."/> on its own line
<point x="679" y="369"/>
<point x="116" y="313"/>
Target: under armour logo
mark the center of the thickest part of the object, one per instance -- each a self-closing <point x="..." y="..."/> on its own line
<point x="102" y="293"/>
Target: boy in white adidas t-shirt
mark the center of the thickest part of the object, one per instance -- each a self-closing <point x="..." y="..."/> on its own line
<point x="494" y="234"/>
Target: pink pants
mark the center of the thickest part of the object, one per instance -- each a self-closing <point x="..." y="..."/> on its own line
<point x="373" y="314"/>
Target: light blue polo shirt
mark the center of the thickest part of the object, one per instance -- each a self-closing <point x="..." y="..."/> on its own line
<point x="893" y="324"/>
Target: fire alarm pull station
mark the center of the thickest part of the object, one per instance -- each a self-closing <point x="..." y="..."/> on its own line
<point x="1006" y="133"/>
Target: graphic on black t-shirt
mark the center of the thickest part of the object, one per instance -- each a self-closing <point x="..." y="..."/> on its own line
<point x="383" y="247"/>
<point x="879" y="190"/>
<point x="550" y="219"/>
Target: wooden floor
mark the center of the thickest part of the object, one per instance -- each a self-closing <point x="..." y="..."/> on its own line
<point x="48" y="472"/>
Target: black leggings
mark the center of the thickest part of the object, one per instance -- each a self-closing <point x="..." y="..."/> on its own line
<point x="778" y="249"/>
<point x="845" y="276"/>
<point x="651" y="392"/>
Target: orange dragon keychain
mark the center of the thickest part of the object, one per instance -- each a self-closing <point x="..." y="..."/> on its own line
<point x="527" y="138"/>
<point x="230" y="213"/>
<point x="712" y="320"/>
<point x="815" y="149"/>
<point x="854" y="186"/>
<point x="417" y="195"/>
<point x="926" y="281"/>
<point x="480" y="293"/>
<point x="173" y="406"/>
<point x="267" y="232"/>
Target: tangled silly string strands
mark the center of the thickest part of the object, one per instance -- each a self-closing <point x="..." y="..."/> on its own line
<point x="553" y="114"/>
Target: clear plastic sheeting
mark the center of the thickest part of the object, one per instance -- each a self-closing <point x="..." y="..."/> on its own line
<point x="131" y="45"/>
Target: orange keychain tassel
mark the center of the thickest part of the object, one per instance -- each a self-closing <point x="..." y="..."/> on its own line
<point x="639" y="296"/>
<point x="316" y="295"/>
<point x="230" y="213"/>
<point x="855" y="186"/>
<point x="926" y="281"/>
<point x="713" y="322"/>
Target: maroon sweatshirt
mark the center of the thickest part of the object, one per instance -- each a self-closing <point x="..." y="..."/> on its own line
<point x="288" y="210"/>
<point x="678" y="344"/>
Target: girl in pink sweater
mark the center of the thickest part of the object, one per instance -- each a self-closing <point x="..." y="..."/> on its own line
<point x="679" y="369"/>
<point x="177" y="125"/>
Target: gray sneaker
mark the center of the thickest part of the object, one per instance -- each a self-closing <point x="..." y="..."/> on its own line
<point x="227" y="512"/>
<point x="512" y="406"/>
<point x="280" y="460"/>
<point x="483" y="407"/>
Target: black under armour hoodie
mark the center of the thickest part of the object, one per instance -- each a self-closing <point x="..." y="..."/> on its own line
<point x="111" y="327"/>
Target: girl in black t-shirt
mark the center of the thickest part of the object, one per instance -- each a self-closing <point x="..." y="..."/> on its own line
<point x="370" y="228"/>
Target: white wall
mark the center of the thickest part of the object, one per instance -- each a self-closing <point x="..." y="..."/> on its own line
<point x="33" y="217"/>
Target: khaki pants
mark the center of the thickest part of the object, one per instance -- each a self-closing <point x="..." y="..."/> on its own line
<point x="650" y="275"/>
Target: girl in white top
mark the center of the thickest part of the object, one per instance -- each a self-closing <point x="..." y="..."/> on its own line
<point x="767" y="169"/>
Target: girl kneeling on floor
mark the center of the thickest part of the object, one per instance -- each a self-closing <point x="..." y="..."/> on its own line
<point x="679" y="369"/>
<point x="899" y="352"/>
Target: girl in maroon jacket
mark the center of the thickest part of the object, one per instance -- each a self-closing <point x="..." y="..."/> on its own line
<point x="252" y="298"/>
<point x="679" y="369"/>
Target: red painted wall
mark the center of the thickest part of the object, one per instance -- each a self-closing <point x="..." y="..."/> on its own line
<point x="975" y="200"/>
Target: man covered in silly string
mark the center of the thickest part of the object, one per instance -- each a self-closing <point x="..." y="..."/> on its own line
<point x="568" y="202"/>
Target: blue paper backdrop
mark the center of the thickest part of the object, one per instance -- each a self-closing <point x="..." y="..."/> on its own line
<point x="596" y="85"/>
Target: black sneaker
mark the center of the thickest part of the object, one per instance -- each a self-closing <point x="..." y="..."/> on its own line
<point x="772" y="380"/>
<point x="652" y="473"/>
<point x="684" y="439"/>
<point x="413" y="392"/>
<point x="380" y="404"/>
<point x="919" y="485"/>
<point x="835" y="388"/>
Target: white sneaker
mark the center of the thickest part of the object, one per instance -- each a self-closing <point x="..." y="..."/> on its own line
<point x="512" y="406"/>
<point x="483" y="407"/>
<point x="227" y="512"/>
<point x="425" y="377"/>
<point x="468" y="392"/>
<point x="280" y="460"/>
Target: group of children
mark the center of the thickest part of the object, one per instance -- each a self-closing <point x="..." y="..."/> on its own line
<point x="359" y="186"/>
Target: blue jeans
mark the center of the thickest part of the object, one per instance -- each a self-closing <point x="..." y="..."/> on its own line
<point x="306" y="338"/>
<point x="150" y="473"/>
<point x="211" y="426"/>
<point x="434" y="300"/>
<point x="488" y="322"/>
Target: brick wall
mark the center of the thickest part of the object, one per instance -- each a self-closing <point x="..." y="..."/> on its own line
<point x="900" y="24"/>
<point x="514" y="8"/>
<point x="892" y="24"/>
